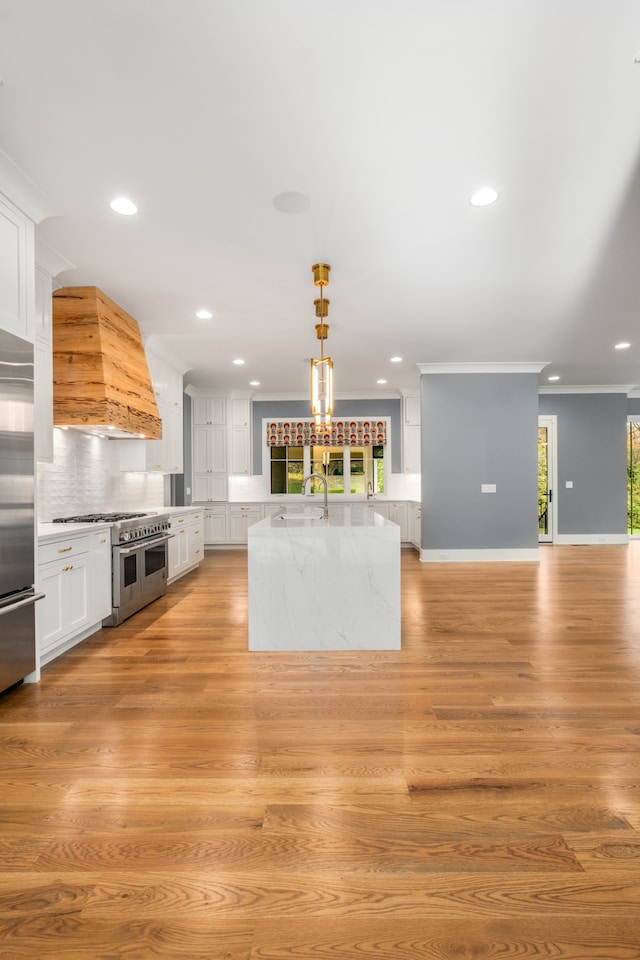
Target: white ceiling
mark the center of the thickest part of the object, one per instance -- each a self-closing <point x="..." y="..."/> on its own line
<point x="386" y="115"/>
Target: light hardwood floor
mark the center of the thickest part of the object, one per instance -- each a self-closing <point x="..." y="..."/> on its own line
<point x="165" y="795"/>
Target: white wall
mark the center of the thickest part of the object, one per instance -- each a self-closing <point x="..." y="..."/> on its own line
<point x="84" y="478"/>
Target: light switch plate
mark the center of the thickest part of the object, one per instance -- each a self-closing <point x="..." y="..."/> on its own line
<point x="488" y="488"/>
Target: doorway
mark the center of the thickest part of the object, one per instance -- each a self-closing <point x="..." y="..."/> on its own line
<point x="546" y="478"/>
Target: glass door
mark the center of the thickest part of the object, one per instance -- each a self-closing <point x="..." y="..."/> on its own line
<point x="546" y="484"/>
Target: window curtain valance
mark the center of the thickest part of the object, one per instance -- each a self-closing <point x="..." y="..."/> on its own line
<point x="342" y="433"/>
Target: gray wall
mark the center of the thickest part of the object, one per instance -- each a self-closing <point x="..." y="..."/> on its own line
<point x="292" y="409"/>
<point x="479" y="428"/>
<point x="591" y="446"/>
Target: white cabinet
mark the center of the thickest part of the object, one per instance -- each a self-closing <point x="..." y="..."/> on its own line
<point x="209" y="449"/>
<point x="209" y="489"/>
<point x="74" y="573"/>
<point x="239" y="437"/>
<point x="411" y="434"/>
<point x="215" y="524"/>
<point x="209" y="479"/>
<point x="43" y="369"/>
<point x="166" y="380"/>
<point x="209" y="410"/>
<point x="399" y="513"/>
<point x="415" y="524"/>
<point x="63" y="577"/>
<point x="100" y="582"/>
<point x="166" y="454"/>
<point x="16" y="271"/>
<point x="241" y="516"/>
<point x="178" y="551"/>
<point x="376" y="506"/>
<point x="239" y="451"/>
<point x="186" y="546"/>
<point x="196" y="539"/>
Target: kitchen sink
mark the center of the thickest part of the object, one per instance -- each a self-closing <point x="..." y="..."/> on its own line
<point x="310" y="513"/>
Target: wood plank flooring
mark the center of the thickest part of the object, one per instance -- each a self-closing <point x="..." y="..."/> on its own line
<point x="165" y="795"/>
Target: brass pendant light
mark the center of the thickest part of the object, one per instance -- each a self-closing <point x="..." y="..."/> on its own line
<point x="321" y="367"/>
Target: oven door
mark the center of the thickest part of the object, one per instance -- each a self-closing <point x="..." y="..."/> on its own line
<point x="139" y="576"/>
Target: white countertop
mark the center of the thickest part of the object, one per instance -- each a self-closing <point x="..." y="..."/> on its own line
<point x="338" y="518"/>
<point x="54" y="531"/>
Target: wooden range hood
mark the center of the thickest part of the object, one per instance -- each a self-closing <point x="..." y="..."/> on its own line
<point x="101" y="380"/>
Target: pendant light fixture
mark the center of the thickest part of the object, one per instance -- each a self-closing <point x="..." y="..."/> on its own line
<point x="321" y="367"/>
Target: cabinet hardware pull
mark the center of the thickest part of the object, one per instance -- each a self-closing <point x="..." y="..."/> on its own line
<point x="181" y="521"/>
<point x="69" y="566"/>
<point x="64" y="549"/>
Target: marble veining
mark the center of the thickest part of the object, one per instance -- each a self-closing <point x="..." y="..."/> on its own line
<point x="330" y="584"/>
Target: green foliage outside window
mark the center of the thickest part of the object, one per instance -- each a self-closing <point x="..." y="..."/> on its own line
<point x="633" y="478"/>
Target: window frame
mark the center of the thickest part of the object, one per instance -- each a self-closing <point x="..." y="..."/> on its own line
<point x="346" y="454"/>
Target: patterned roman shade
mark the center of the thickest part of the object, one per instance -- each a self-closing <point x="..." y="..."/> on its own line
<point x="342" y="433"/>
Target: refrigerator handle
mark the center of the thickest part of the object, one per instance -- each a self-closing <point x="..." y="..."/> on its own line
<point x="9" y="608"/>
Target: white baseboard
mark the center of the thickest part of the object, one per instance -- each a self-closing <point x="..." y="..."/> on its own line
<point x="590" y="539"/>
<point x="482" y="556"/>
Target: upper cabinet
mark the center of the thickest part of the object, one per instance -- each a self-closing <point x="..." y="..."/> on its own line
<point x="411" y="434"/>
<point x="16" y="271"/>
<point x="43" y="427"/>
<point x="240" y="437"/>
<point x="209" y="410"/>
<point x="166" y="382"/>
<point x="166" y="454"/>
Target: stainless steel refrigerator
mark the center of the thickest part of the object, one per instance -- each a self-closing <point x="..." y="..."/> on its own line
<point x="17" y="519"/>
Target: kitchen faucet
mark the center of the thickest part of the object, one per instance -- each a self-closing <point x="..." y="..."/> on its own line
<point x="319" y="476"/>
<point x="369" y="489"/>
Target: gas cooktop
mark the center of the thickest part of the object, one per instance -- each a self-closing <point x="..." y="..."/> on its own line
<point x="99" y="518"/>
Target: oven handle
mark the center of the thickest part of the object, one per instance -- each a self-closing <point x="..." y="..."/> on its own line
<point x="142" y="544"/>
<point x="9" y="607"/>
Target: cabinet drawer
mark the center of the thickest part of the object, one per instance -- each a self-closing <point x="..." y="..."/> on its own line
<point x="63" y="549"/>
<point x="253" y="512"/>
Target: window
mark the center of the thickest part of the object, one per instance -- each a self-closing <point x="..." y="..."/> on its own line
<point x="350" y="470"/>
<point x="287" y="469"/>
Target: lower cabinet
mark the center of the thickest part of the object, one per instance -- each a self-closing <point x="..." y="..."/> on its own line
<point x="215" y="524"/>
<point x="186" y="546"/>
<point x="228" y="523"/>
<point x="241" y="516"/>
<point x="399" y="513"/>
<point x="196" y="539"/>
<point x="100" y="585"/>
<point x="63" y="576"/>
<point x="415" y="523"/>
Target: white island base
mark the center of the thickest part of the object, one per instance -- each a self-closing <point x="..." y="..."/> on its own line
<point x="329" y="584"/>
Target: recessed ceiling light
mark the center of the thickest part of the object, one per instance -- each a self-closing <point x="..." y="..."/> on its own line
<point x="124" y="206"/>
<point x="623" y="346"/>
<point x="381" y="381"/>
<point x="553" y="378"/>
<point x="204" y="314"/>
<point x="396" y="359"/>
<point x="254" y="383"/>
<point x="483" y="197"/>
<point x="238" y="362"/>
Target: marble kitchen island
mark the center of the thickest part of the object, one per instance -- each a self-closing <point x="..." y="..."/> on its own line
<point x="324" y="584"/>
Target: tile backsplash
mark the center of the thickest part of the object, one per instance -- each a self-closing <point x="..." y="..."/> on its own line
<point x="85" y="477"/>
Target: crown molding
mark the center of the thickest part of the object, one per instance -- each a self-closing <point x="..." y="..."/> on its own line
<point x="497" y="367"/>
<point x="49" y="259"/>
<point x="589" y="388"/>
<point x="20" y="190"/>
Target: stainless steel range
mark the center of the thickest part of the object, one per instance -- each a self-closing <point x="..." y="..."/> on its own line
<point x="139" y="565"/>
